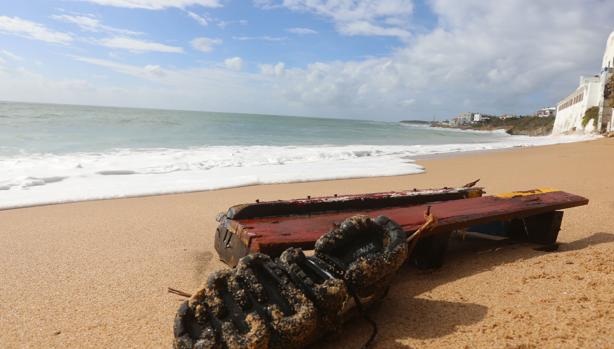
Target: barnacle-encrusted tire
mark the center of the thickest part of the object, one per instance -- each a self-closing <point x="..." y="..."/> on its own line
<point x="328" y="293"/>
<point x="291" y="301"/>
<point x="368" y="251"/>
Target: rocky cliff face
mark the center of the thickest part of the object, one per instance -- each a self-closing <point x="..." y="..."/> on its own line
<point x="525" y="125"/>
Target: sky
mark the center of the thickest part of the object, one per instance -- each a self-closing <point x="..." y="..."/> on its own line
<point x="360" y="59"/>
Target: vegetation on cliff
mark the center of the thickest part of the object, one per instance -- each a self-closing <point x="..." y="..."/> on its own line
<point x="416" y="122"/>
<point x="517" y="125"/>
<point x="591" y="113"/>
<point x="608" y="93"/>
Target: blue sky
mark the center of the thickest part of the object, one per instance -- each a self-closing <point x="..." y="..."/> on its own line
<point x="387" y="59"/>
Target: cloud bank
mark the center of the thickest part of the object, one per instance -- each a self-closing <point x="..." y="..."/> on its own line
<point x="31" y="30"/>
<point x="493" y="57"/>
<point x="156" y="4"/>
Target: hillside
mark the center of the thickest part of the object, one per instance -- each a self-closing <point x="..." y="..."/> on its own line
<point x="521" y="125"/>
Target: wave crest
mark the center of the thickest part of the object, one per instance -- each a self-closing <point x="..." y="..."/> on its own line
<point x="30" y="179"/>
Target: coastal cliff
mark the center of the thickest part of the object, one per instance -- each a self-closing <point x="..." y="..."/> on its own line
<point x="525" y="125"/>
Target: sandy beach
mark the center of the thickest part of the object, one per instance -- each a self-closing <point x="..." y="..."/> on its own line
<point x="94" y="274"/>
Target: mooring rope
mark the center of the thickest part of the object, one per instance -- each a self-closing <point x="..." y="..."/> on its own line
<point x="367" y="318"/>
<point x="429" y="224"/>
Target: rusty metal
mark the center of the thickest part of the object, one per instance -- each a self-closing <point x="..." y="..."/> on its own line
<point x="348" y="202"/>
<point x="233" y="240"/>
<point x="272" y="234"/>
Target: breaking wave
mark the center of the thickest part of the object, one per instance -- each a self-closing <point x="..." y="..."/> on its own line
<point x="30" y="179"/>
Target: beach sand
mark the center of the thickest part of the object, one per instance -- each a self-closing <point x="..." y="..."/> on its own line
<point x="94" y="274"/>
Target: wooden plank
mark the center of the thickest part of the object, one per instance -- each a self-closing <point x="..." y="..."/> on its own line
<point x="232" y="241"/>
<point x="271" y="235"/>
<point x="349" y="202"/>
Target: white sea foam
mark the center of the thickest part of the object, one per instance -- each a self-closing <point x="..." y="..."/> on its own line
<point x="499" y="131"/>
<point x="50" y="178"/>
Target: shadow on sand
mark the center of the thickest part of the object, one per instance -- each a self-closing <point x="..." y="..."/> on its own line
<point x="402" y="315"/>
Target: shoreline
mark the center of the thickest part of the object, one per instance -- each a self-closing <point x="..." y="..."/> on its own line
<point x="95" y="273"/>
<point x="414" y="160"/>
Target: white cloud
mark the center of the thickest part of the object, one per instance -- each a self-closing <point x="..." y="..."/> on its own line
<point x="148" y="72"/>
<point x="24" y="85"/>
<point x="223" y="24"/>
<point x="505" y="59"/>
<point x="115" y="66"/>
<point x="266" y="4"/>
<point x="234" y="63"/>
<point x="92" y="24"/>
<point x="262" y="38"/>
<point x="360" y="17"/>
<point x="157" y="4"/>
<point x="11" y="55"/>
<point x="273" y="69"/>
<point x="205" y="44"/>
<point x="369" y="29"/>
<point x="155" y="70"/>
<point x="208" y="88"/>
<point x="408" y="102"/>
<point x="198" y="18"/>
<point x="515" y="66"/>
<point x="301" y="31"/>
<point x="32" y="30"/>
<point x="136" y="45"/>
<point x="84" y="22"/>
<point x="205" y="19"/>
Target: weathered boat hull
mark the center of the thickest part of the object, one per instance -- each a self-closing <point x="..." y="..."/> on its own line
<point x="532" y="215"/>
<point x="234" y="239"/>
<point x="359" y="243"/>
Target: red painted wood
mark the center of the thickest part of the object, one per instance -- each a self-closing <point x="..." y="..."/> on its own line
<point x="274" y="234"/>
<point x="348" y="202"/>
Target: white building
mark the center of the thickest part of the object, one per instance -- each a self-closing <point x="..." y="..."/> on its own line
<point x="571" y="109"/>
<point x="608" y="56"/>
<point x="477" y="117"/>
<point x="590" y="93"/>
<point x="606" y="113"/>
<point x="546" y="112"/>
<point x="465" y="117"/>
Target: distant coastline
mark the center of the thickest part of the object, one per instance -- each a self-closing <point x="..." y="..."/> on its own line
<point x="131" y="152"/>
<point x="417" y="122"/>
<point x="514" y="125"/>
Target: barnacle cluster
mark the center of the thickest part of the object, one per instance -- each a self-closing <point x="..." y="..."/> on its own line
<point x="291" y="301"/>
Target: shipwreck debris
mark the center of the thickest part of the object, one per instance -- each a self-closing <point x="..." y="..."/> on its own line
<point x="241" y="231"/>
<point x="277" y="296"/>
<point x="271" y="227"/>
<point x="291" y="301"/>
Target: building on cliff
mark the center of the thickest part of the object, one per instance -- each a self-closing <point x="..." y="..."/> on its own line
<point x="591" y="92"/>
<point x="546" y="112"/>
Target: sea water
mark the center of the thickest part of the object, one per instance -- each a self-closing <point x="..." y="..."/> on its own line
<point x="59" y="153"/>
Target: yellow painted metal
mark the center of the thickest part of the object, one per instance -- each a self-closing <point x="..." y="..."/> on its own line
<point x="475" y="193"/>
<point x="526" y="193"/>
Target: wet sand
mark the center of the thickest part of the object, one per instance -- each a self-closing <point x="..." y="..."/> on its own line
<point x="94" y="274"/>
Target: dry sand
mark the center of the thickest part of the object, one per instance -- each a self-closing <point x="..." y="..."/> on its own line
<point x="94" y="274"/>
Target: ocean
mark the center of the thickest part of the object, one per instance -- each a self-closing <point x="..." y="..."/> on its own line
<point x="60" y="153"/>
